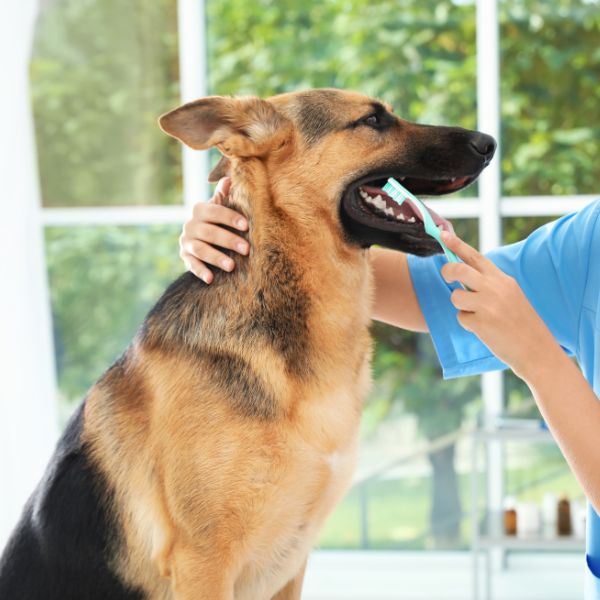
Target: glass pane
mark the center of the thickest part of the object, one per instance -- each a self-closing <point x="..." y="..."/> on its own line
<point x="101" y="74"/>
<point x="515" y="229"/>
<point x="550" y="88"/>
<point x="534" y="471"/>
<point x="419" y="56"/>
<point x="420" y="503"/>
<point x="103" y="280"/>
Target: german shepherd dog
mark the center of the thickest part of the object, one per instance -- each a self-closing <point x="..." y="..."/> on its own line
<point x="202" y="464"/>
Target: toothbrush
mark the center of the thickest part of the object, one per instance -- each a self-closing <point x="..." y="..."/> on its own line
<point x="399" y="193"/>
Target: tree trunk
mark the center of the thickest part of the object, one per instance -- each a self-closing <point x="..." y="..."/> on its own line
<point x="446" y="509"/>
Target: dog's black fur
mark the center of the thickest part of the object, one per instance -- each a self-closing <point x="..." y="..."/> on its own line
<point x="62" y="546"/>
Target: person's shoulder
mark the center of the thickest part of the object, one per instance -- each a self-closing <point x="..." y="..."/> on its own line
<point x="581" y="227"/>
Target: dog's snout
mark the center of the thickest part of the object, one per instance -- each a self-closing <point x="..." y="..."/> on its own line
<point x="484" y="144"/>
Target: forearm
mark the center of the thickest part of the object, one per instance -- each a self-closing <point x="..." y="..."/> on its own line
<point x="395" y="300"/>
<point x="572" y="411"/>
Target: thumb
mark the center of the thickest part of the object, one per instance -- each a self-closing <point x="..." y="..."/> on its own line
<point x="223" y="186"/>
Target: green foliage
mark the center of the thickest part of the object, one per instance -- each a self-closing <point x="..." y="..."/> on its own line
<point x="102" y="281"/>
<point x="550" y="75"/>
<point x="407" y="373"/>
<point x="420" y="56"/>
<point x="101" y="73"/>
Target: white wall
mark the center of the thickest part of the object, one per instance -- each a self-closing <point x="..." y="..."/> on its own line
<point x="28" y="420"/>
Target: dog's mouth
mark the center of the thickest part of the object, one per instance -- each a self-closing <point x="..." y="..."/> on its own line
<point x="370" y="216"/>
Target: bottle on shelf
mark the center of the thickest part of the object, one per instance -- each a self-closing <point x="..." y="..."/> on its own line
<point x="564" y="517"/>
<point x="510" y="516"/>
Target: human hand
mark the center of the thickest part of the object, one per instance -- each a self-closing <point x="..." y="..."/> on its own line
<point x="496" y="310"/>
<point x="203" y="231"/>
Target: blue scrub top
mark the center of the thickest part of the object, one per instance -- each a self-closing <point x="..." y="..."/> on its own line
<point x="558" y="268"/>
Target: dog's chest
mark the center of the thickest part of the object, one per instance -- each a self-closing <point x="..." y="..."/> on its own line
<point x="320" y="458"/>
<point x="312" y="487"/>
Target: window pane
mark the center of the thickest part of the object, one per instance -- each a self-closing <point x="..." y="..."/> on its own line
<point x="101" y="74"/>
<point x="550" y="88"/>
<point x="535" y="470"/>
<point x="419" y="56"/>
<point x="421" y="503"/>
<point x="103" y="280"/>
<point x="515" y="229"/>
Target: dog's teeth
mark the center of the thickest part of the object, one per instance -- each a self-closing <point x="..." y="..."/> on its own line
<point x="389" y="211"/>
<point x="380" y="202"/>
<point x="401" y="217"/>
<point x="412" y="220"/>
<point x="402" y="178"/>
<point x="453" y="180"/>
<point x="363" y="194"/>
<point x="370" y="200"/>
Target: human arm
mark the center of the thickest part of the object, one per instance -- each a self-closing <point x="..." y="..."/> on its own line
<point x="498" y="312"/>
<point x="395" y="301"/>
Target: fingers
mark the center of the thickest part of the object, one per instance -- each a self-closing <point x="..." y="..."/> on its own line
<point x="467" y="253"/>
<point x="211" y="234"/>
<point x="205" y="253"/>
<point x="205" y="230"/>
<point x="464" y="300"/>
<point x="224" y="186"/>
<point x="463" y="273"/>
<point x="467" y="320"/>
<point x="208" y="212"/>
<point x="197" y="267"/>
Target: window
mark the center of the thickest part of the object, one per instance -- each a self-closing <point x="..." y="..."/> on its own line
<point x="113" y="187"/>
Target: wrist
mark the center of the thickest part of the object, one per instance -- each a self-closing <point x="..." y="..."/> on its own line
<point x="543" y="365"/>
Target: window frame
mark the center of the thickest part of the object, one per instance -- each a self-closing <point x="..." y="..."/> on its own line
<point x="489" y="207"/>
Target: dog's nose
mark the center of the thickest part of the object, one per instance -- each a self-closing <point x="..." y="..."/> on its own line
<point x="484" y="144"/>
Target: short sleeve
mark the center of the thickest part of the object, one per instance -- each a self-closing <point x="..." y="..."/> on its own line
<point x="551" y="266"/>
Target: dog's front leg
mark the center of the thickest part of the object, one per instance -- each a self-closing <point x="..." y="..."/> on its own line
<point x="293" y="588"/>
<point x="196" y="576"/>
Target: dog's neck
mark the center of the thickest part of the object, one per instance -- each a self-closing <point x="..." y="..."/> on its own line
<point x="300" y="268"/>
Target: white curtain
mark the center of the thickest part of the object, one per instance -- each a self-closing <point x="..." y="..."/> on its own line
<point x="28" y="410"/>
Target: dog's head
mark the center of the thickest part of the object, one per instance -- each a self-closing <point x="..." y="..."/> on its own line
<point x="336" y="149"/>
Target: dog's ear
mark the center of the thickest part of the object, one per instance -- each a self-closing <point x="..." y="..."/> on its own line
<point x="246" y="126"/>
<point x="221" y="170"/>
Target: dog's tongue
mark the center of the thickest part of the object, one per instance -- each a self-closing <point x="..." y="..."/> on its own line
<point x="437" y="219"/>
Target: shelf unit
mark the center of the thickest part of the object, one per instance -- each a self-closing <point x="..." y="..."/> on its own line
<point x="487" y="530"/>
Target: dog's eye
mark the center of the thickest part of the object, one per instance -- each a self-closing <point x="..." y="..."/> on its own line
<point x="372" y="120"/>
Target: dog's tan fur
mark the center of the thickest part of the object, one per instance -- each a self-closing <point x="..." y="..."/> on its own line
<point x="228" y="431"/>
<point x="220" y="503"/>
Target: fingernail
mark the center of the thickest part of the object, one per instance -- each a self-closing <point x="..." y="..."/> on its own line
<point x="242" y="248"/>
<point x="227" y="264"/>
<point x="241" y="224"/>
<point x="205" y="278"/>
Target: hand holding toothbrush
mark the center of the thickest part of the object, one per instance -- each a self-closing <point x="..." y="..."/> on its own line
<point x="497" y="311"/>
